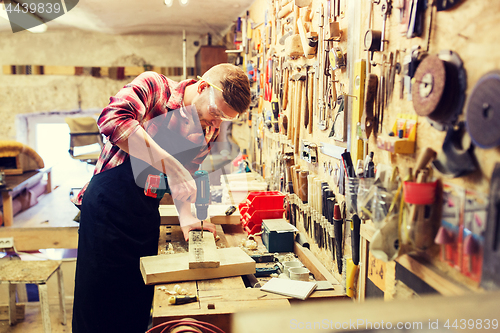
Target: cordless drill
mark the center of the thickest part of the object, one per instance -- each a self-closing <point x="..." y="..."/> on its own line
<point x="202" y="195"/>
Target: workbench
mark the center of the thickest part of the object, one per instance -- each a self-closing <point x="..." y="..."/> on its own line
<point x="15" y="184"/>
<point x="220" y="298"/>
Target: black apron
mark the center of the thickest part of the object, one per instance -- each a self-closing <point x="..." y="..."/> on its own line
<point x="119" y="224"/>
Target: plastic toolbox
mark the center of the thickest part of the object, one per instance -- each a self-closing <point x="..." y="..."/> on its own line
<point x="259" y="206"/>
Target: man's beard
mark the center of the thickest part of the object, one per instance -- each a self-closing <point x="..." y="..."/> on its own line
<point x="204" y="123"/>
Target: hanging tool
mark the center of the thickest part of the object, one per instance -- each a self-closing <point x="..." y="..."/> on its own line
<point x="439" y="88"/>
<point x="310" y="100"/>
<point x="323" y="121"/>
<point x="386" y="10"/>
<point x="456" y="157"/>
<point x="380" y="98"/>
<point x="491" y="264"/>
<point x="355" y="237"/>
<point x="337" y="59"/>
<point x="368" y="120"/>
<point x="483" y="111"/>
<point x="446" y="4"/>
<point x="337" y="227"/>
<point x="202" y="195"/>
<point x="306" y="102"/>
<point x="417" y="11"/>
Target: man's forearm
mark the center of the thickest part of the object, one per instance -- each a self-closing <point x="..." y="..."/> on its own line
<point x="140" y="145"/>
<point x="184" y="210"/>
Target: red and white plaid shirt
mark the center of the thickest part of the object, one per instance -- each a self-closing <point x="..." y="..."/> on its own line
<point x="148" y="96"/>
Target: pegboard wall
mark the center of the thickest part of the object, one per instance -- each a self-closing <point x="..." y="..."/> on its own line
<point x="411" y="81"/>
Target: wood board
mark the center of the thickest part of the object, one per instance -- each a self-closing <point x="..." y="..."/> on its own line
<point x="202" y="250"/>
<point x="169" y="215"/>
<point x="175" y="267"/>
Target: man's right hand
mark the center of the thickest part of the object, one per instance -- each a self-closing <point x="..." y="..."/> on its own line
<point x="180" y="181"/>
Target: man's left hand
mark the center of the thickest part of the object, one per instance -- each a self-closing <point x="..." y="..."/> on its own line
<point x="197" y="226"/>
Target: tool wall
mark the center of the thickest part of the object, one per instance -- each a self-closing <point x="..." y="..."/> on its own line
<point x="380" y="121"/>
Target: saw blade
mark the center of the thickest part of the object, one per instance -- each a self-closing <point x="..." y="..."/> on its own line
<point x="483" y="111"/>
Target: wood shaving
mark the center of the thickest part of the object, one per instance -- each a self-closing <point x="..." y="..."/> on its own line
<point x="249" y="244"/>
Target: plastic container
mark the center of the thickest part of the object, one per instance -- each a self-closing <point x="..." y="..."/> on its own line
<point x="365" y="198"/>
<point x="351" y="195"/>
<point x="419" y="193"/>
<point x="259" y="206"/>
<point x="253" y="223"/>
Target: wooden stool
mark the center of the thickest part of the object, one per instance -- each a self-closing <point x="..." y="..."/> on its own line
<point x="37" y="272"/>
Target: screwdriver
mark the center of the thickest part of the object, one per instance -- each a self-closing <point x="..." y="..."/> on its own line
<point x="182" y="299"/>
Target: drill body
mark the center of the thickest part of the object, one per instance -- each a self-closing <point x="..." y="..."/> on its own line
<point x="202" y="195"/>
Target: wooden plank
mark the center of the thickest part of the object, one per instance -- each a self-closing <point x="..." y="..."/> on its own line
<point x="175" y="267"/>
<point x="441" y="283"/>
<point x="133" y="70"/>
<point x="169" y="215"/>
<point x="7" y="69"/>
<point x="232" y="307"/>
<point x="313" y="264"/>
<point x="229" y="301"/>
<point x="8" y="210"/>
<point x="202" y="250"/>
<point x="225" y="303"/>
<point x="59" y="70"/>
<point x="12" y="304"/>
<point x="4" y="312"/>
<point x="229" y="283"/>
<point x="33" y="239"/>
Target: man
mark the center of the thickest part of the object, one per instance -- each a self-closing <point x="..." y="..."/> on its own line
<point x="119" y="223"/>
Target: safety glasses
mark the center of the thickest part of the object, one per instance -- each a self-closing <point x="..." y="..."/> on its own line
<point x="213" y="110"/>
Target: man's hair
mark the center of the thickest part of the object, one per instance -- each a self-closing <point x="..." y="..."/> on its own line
<point x="234" y="83"/>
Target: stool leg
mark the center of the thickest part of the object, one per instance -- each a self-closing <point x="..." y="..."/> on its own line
<point x="12" y="304"/>
<point x="62" y="303"/>
<point x="44" y="304"/>
<point x="22" y="296"/>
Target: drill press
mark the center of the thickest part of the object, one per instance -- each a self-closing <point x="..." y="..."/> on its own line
<point x="202" y="195"/>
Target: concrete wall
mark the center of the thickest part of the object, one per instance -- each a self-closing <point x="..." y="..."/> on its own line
<point x="26" y="94"/>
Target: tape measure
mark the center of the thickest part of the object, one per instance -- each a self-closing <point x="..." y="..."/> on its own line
<point x="337" y="59"/>
<point x="438" y="88"/>
<point x="373" y="40"/>
<point x="483" y="111"/>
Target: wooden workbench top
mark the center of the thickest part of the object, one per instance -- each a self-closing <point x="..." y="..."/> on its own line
<point x="224" y="296"/>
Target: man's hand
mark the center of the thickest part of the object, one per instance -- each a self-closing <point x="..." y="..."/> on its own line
<point x="180" y="181"/>
<point x="196" y="225"/>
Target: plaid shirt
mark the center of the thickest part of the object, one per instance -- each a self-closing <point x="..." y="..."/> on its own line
<point x="148" y="96"/>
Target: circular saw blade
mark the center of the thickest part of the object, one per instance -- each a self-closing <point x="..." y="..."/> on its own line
<point x="483" y="111"/>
